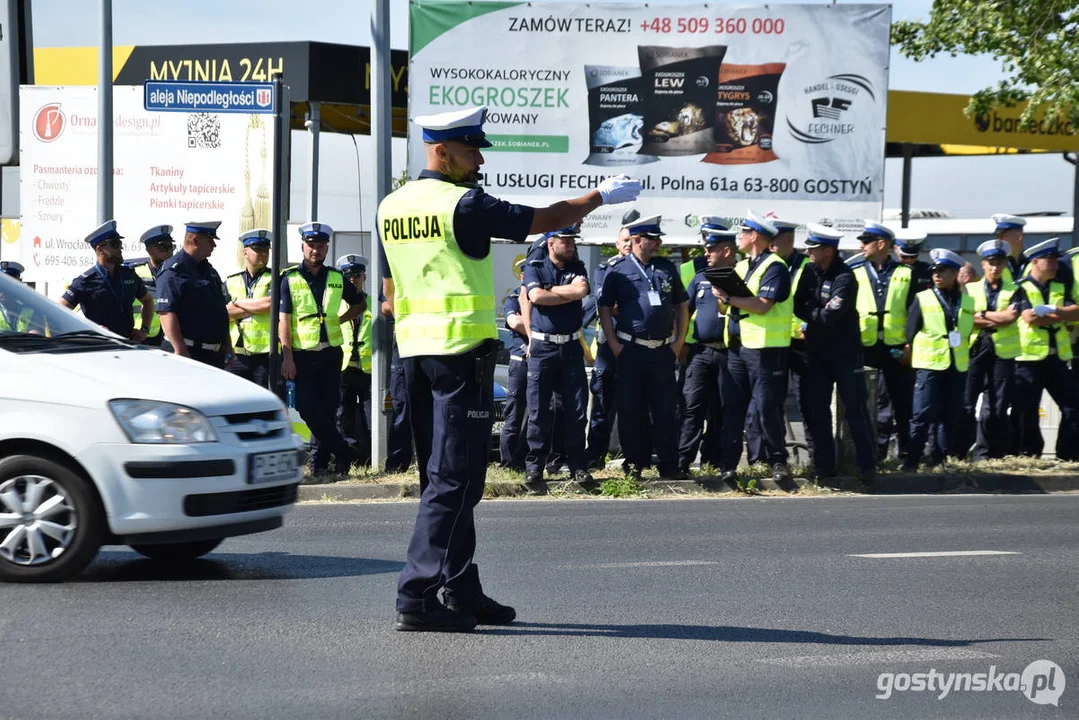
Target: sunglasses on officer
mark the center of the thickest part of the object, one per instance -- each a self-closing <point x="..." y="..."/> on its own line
<point x="163" y="245"/>
<point x="114" y="243"/>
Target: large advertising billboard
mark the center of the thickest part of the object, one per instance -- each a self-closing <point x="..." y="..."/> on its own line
<point x="717" y="109"/>
<point x="169" y="168"/>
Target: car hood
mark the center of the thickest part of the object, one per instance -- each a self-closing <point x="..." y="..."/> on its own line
<point x="91" y="379"/>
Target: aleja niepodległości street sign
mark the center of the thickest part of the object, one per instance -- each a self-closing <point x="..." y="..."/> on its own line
<point x="189" y="97"/>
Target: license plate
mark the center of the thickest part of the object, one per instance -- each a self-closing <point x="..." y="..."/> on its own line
<point x="272" y="466"/>
<point x="496" y="429"/>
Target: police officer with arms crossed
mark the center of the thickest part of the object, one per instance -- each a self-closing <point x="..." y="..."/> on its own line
<point x="759" y="327"/>
<point x="191" y="300"/>
<point x="1045" y="304"/>
<point x="106" y="290"/>
<point x="354" y="413"/>
<point x="646" y="338"/>
<point x="159" y="248"/>
<point x="994" y="345"/>
<point x="436" y="231"/>
<point x="556" y="285"/>
<point x="249" y="308"/>
<point x="707" y="357"/>
<point x="885" y="290"/>
<point x="605" y="367"/>
<point x="311" y="335"/>
<point x="939" y="326"/>
<point x="512" y="445"/>
<point x="825" y="301"/>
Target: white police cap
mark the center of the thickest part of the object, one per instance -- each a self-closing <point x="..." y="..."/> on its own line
<point x="993" y="248"/>
<point x="945" y="258"/>
<point x="909" y="242"/>
<point x="465" y="126"/>
<point x="876" y="231"/>
<point x="156" y="234"/>
<point x="1048" y="248"/>
<point x="821" y="236"/>
<point x="1004" y="222"/>
<point x="105" y="231"/>
<point x="781" y="225"/>
<point x="258" y="236"/>
<point x="646" y="226"/>
<point x="316" y="230"/>
<point x="352" y="261"/>
<point x="203" y="228"/>
<point x="759" y="224"/>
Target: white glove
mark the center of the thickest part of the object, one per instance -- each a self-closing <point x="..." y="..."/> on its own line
<point x="619" y="189"/>
<point x="1043" y="310"/>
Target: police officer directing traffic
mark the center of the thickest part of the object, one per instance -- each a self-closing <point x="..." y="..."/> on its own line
<point x="310" y="330"/>
<point x="646" y="338"/>
<point x="556" y="285"/>
<point x="994" y="347"/>
<point x="249" y="308"/>
<point x="191" y="300"/>
<point x="759" y="327"/>
<point x="939" y="327"/>
<point x="159" y="247"/>
<point x="436" y="231"/>
<point x="706" y="360"/>
<point x="106" y="290"/>
<point x="825" y="300"/>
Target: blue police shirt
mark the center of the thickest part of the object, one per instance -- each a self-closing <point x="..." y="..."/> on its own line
<point x="512" y="306"/>
<point x="478" y="218"/>
<point x="707" y="323"/>
<point x="600" y="273"/>
<point x="775" y="286"/>
<point x="627" y="285"/>
<point x="558" y="319"/>
<point x="194" y="291"/>
<point x="349" y="293"/>
<point x="107" y="299"/>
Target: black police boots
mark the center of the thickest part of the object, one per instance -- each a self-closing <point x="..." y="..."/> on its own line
<point x="440" y="620"/>
<point x="486" y="611"/>
<point x="534" y="481"/>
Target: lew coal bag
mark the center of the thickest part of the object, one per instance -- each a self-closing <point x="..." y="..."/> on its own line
<point x="679" y="107"/>
<point x="745" y="112"/>
<point x="615" y="115"/>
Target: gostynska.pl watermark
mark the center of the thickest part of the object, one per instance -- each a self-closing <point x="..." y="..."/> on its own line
<point x="1042" y="682"/>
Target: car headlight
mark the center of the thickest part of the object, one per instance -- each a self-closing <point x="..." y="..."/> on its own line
<point x="149" y="421"/>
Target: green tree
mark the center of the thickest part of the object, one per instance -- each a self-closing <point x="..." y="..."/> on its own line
<point x="1037" y="41"/>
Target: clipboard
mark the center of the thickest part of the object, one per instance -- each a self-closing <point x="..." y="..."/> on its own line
<point x="727" y="280"/>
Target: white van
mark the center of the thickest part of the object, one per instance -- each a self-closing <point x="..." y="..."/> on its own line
<point x="103" y="442"/>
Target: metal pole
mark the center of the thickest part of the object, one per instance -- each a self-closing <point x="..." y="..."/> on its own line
<point x="280" y="219"/>
<point x="381" y="131"/>
<point x="104" y="115"/>
<point x="908" y="157"/>
<point x="314" y="117"/>
<point x="1074" y="160"/>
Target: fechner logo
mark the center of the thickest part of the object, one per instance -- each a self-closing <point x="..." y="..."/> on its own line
<point x="49" y="122"/>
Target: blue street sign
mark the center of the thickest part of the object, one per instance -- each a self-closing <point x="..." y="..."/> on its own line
<point x="208" y="97"/>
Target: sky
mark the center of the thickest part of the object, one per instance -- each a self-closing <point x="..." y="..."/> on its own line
<point x="967" y="187"/>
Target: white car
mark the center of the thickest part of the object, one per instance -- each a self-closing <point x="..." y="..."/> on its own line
<point x="103" y="442"/>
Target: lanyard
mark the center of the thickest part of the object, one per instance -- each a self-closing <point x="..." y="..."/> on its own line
<point x="991" y="295"/>
<point x="951" y="312"/>
<point x="108" y="283"/>
<point x="650" y="279"/>
<point x="249" y="284"/>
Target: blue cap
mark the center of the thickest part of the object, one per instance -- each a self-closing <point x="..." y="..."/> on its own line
<point x="316" y="231"/>
<point x="945" y="258"/>
<point x="993" y="248"/>
<point x="204" y="228"/>
<point x="1049" y="248"/>
<point x="821" y="236"/>
<point x="12" y="268"/>
<point x="649" y="226"/>
<point x="876" y="231"/>
<point x="157" y="234"/>
<point x="758" y="224"/>
<point x="1008" y="222"/>
<point x="260" y="237"/>
<point x="464" y="126"/>
<point x="105" y="231"/>
<point x="571" y="231"/>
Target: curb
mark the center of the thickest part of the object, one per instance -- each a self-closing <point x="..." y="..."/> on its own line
<point x="898" y="484"/>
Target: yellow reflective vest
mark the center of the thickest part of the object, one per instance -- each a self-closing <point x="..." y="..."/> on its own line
<point x="307" y="314"/>
<point x="891" y="326"/>
<point x="251" y="333"/>
<point x="1005" y="339"/>
<point x="444" y="301"/>
<point x="931" y="349"/>
<point x="22" y="321"/>
<point x="772" y="329"/>
<point x="1034" y="341"/>
<point x="144" y="271"/>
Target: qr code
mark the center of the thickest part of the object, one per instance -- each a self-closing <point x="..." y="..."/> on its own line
<point x="203" y="130"/>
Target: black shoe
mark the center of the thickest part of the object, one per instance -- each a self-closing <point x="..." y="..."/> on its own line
<point x="866" y="480"/>
<point x="781" y="473"/>
<point x="597" y="464"/>
<point x="534" y="481"/>
<point x="730" y="477"/>
<point x="583" y="477"/>
<point x="440" y="620"/>
<point x="908" y="468"/>
<point x="824" y="478"/>
<point x="676" y="474"/>
<point x="486" y="611"/>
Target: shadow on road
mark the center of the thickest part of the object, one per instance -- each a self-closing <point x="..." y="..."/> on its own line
<point x="120" y="566"/>
<point x="729" y="633"/>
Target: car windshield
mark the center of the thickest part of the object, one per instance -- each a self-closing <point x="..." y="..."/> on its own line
<point x="30" y="322"/>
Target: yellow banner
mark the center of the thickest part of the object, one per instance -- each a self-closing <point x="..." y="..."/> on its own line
<point x="937" y="119"/>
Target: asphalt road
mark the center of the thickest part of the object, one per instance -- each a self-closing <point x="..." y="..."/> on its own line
<point x="739" y="608"/>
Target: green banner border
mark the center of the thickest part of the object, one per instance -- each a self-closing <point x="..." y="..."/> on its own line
<point x="429" y="19"/>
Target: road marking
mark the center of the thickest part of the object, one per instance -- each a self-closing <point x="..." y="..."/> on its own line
<point x="939" y="554"/>
<point x="655" y="563"/>
<point x="878" y="656"/>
